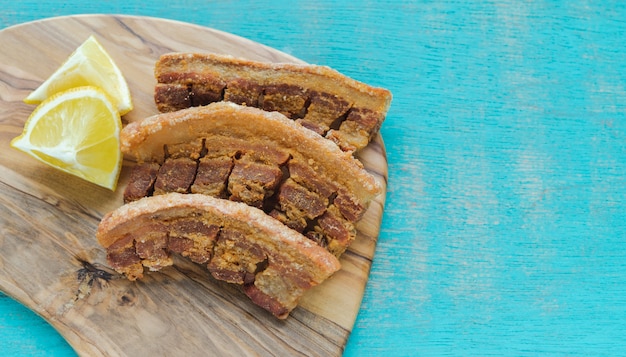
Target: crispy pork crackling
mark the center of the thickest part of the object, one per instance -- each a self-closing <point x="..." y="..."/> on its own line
<point x="239" y="244"/>
<point x="253" y="156"/>
<point x="323" y="100"/>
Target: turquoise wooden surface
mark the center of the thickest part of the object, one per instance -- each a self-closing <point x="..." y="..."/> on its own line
<point x="504" y="231"/>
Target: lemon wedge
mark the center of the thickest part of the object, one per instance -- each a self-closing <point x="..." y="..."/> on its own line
<point x="76" y="131"/>
<point x="88" y="65"/>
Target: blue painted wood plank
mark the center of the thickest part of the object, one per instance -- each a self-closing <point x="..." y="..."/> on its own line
<point x="504" y="229"/>
<point x="23" y="333"/>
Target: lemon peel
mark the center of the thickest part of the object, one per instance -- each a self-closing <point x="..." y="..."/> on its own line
<point x="76" y="131"/>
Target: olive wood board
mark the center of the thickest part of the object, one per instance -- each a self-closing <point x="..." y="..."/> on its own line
<point x="51" y="262"/>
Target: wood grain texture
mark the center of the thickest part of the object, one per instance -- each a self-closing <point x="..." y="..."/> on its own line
<point x="504" y="231"/>
<point x="51" y="262"/>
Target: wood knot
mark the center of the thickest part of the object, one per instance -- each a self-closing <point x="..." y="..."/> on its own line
<point x="127" y="299"/>
<point x="89" y="276"/>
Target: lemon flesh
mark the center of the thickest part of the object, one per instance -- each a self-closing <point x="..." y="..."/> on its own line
<point x="88" y="65"/>
<point x="76" y="131"/>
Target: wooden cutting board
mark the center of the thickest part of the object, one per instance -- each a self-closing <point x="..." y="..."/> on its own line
<point x="50" y="260"/>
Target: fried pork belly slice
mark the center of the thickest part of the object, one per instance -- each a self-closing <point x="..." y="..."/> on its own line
<point x="260" y="158"/>
<point x="145" y="141"/>
<point x="239" y="244"/>
<point x="321" y="99"/>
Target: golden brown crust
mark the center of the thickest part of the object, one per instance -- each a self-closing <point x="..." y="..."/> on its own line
<point x="240" y="244"/>
<point x="314" y="77"/>
<point x="144" y="141"/>
<point x="346" y="111"/>
<point x="225" y="211"/>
